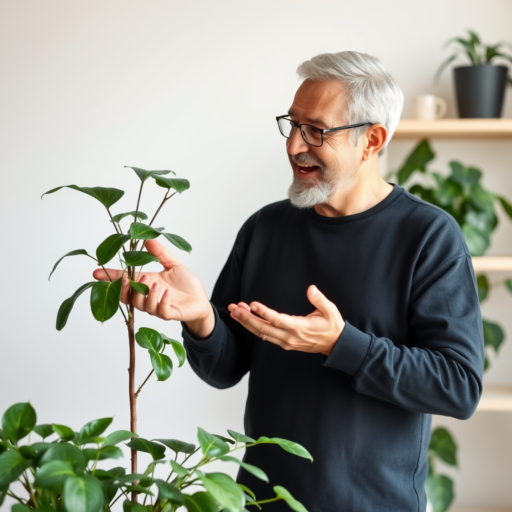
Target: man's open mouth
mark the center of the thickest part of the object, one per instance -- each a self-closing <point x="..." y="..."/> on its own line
<point x="307" y="168"/>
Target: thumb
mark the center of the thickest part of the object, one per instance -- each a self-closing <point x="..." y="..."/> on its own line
<point x="165" y="257"/>
<point x="319" y="300"/>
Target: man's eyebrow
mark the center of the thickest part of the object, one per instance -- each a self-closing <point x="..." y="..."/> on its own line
<point x="313" y="120"/>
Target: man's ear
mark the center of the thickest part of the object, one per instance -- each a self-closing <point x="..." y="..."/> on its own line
<point x="375" y="138"/>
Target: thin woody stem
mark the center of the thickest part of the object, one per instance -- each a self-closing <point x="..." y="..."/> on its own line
<point x="138" y="201"/>
<point x="112" y="219"/>
<point x="147" y="378"/>
<point x="131" y="382"/>
<point x="160" y="207"/>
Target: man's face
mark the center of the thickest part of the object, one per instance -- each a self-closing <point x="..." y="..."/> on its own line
<point x="319" y="172"/>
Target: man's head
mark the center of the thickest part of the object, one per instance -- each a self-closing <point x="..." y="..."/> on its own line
<point x="340" y="89"/>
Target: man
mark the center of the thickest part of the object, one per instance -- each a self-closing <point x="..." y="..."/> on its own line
<point x="352" y="305"/>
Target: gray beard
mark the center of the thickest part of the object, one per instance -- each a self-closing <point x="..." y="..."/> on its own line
<point x="306" y="195"/>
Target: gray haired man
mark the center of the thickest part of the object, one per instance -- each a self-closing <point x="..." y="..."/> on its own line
<point x="352" y="305"/>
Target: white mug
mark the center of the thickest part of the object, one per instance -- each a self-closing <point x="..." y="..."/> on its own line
<point x="428" y="107"/>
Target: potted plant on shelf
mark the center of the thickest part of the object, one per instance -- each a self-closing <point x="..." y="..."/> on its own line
<point x="479" y="86"/>
<point x="63" y="470"/>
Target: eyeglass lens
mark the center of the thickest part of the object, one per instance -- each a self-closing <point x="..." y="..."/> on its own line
<point x="310" y="134"/>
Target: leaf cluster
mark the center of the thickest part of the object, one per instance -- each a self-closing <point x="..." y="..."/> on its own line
<point x="61" y="472"/>
<point x="476" y="52"/>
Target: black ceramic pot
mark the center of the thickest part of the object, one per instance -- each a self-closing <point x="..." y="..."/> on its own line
<point x="480" y="90"/>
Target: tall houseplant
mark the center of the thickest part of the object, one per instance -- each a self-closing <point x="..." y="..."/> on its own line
<point x="62" y="472"/>
<point x="462" y="195"/>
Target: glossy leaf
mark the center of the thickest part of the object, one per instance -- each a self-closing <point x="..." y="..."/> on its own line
<point x="120" y="216"/>
<point x="106" y="452"/>
<point x="19" y="507"/>
<point x="162" y="365"/>
<point x="77" y="252"/>
<point x="110" y="247"/>
<point x="44" y="430"/>
<point x="466" y="176"/>
<point x="257" y="472"/>
<point x="139" y="489"/>
<point x="144" y="175"/>
<point x="121" y="480"/>
<point x="178" y="184"/>
<point x="83" y="494"/>
<point x="447" y="190"/>
<point x="240" y="438"/>
<point x="483" y="287"/>
<point x="476" y="241"/>
<point x="506" y="206"/>
<point x="65" y="433"/>
<point x="67" y="453"/>
<point x="139" y="287"/>
<point x="131" y="506"/>
<point x="224" y="490"/>
<point x="439" y="489"/>
<point x="93" y="428"/>
<point x="67" y="306"/>
<point x="139" y="231"/>
<point x="170" y="492"/>
<point x="106" y="196"/>
<point x="12" y="465"/>
<point x="211" y="445"/>
<point x="289" y="446"/>
<point x="18" y="421"/>
<point x="53" y="473"/>
<point x="493" y="335"/>
<point x="149" y="339"/>
<point x="508" y="285"/>
<point x="138" y="258"/>
<point x="179" y="242"/>
<point x="178" y="468"/>
<point x="482" y="221"/>
<point x="178" y="348"/>
<point x="157" y="451"/>
<point x="416" y="161"/>
<point x="482" y="199"/>
<point x="28" y="452"/>
<point x="118" y="437"/>
<point x="200" y="502"/>
<point x="105" y="299"/>
<point x="178" y="446"/>
<point x="443" y="446"/>
<point x="247" y="490"/>
<point x="289" y="499"/>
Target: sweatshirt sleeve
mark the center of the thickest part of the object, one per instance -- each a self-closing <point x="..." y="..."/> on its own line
<point x="439" y="371"/>
<point x="223" y="358"/>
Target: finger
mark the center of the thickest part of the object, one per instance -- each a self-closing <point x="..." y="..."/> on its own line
<point x="276" y="319"/>
<point x="125" y="289"/>
<point x="139" y="300"/>
<point x="320" y="301"/>
<point x="244" y="306"/>
<point x="165" y="257"/>
<point x="101" y="275"/>
<point x="260" y="327"/>
<point x="152" y="299"/>
<point x="165" y="310"/>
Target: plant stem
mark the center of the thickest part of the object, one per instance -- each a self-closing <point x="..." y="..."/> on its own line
<point x="138" y="201"/>
<point x="264" y="501"/>
<point x="160" y="207"/>
<point x="147" y="378"/>
<point x="131" y="383"/>
<point x="112" y="219"/>
<point x="17" y="498"/>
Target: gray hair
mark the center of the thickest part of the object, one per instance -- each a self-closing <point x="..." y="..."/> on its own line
<point x="372" y="93"/>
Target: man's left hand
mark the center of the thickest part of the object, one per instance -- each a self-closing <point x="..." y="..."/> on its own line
<point x="317" y="332"/>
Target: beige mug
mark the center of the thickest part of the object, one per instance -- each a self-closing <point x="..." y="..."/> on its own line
<point x="428" y="107"/>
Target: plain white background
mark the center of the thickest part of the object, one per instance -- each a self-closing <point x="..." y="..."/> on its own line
<point x="88" y="87"/>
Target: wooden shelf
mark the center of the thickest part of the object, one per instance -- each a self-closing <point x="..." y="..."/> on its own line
<point x="479" y="508"/>
<point x="454" y="129"/>
<point x="496" y="397"/>
<point x="492" y="263"/>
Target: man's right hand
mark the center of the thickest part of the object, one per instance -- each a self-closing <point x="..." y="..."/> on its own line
<point x="175" y="293"/>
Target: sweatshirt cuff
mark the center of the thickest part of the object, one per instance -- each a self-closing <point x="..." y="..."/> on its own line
<point x="350" y="351"/>
<point x="205" y="345"/>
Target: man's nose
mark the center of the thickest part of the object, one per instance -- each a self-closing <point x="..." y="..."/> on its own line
<point x="296" y="144"/>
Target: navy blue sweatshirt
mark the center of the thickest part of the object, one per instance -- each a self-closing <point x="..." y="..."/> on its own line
<point x="401" y="276"/>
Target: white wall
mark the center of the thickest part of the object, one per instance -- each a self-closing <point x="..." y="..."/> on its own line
<point x="88" y="87"/>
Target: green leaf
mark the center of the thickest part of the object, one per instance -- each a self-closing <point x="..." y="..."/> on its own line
<point x="18" y="421"/>
<point x="178" y="184"/>
<point x="72" y="253"/>
<point x="178" y="468"/>
<point x="179" y="242"/>
<point x="118" y="437"/>
<point x="53" y="473"/>
<point x="170" y="492"/>
<point x="224" y="489"/>
<point x="65" y="433"/>
<point x="18" y="507"/>
<point x="139" y="287"/>
<point x="12" y="465"/>
<point x="162" y="365"/>
<point x="225" y="439"/>
<point x="106" y="452"/>
<point x="139" y="231"/>
<point x="240" y="438"/>
<point x="201" y="502"/>
<point x="44" y="430"/>
<point x="178" y="348"/>
<point x="106" y="196"/>
<point x="482" y="221"/>
<point x="178" y="446"/>
<point x="105" y="299"/>
<point x="138" y="258"/>
<point x="439" y="490"/>
<point x="477" y="242"/>
<point x="257" y="472"/>
<point x="83" y="494"/>
<point x="289" y="499"/>
<point x="417" y="160"/>
<point x="493" y="335"/>
<point x="483" y="287"/>
<point x="121" y="480"/>
<point x="289" y="446"/>
<point x="139" y="489"/>
<point x="67" y="453"/>
<point x="157" y="451"/>
<point x="110" y="247"/>
<point x="447" y="190"/>
<point x="67" y="306"/>
<point x="482" y="199"/>
<point x="120" y="216"/>
<point x="211" y="445"/>
<point x="508" y="285"/>
<point x="443" y="446"/>
<point x="144" y="175"/>
<point x="506" y="206"/>
<point x="149" y="339"/>
<point x="247" y="490"/>
<point x="93" y="428"/>
<point x="131" y="506"/>
<point x="465" y="176"/>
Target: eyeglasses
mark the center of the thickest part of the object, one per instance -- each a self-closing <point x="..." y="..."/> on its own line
<point x="311" y="134"/>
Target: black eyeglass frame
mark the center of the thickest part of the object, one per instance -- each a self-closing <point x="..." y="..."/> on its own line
<point x="321" y="130"/>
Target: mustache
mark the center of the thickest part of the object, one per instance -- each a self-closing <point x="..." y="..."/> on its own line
<point x="305" y="158"/>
